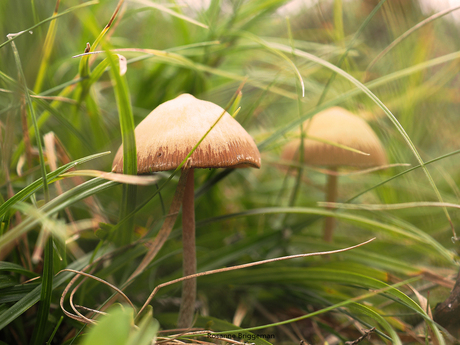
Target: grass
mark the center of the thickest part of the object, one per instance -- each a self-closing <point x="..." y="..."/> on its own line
<point x="387" y="62"/>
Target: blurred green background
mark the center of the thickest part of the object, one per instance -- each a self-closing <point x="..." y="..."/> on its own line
<point x="405" y="54"/>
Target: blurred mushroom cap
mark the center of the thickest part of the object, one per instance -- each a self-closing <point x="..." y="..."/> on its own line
<point x="339" y="126"/>
<point x="171" y="130"/>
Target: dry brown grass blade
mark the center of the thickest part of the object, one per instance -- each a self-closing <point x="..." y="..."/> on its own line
<point x="240" y="313"/>
<point x="52" y="160"/>
<point x="74" y="279"/>
<point x="233" y="268"/>
<point x="129" y="179"/>
<point x="87" y="275"/>
<point x="91" y="201"/>
<point x="438" y="279"/>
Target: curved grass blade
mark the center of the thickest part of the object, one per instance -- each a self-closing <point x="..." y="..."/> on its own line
<point x="264" y="145"/>
<point x="171" y="12"/>
<point x="358" y="308"/>
<point x="402" y="173"/>
<point x="405" y="35"/>
<point x="372" y="258"/>
<point x="381" y="207"/>
<point x="303" y="275"/>
<point x="377" y="101"/>
<point x="33" y="297"/>
<point x="412" y="233"/>
<point x="283" y="56"/>
<point x="234" y="269"/>
<point x="182" y="61"/>
<point x="349" y="47"/>
<point x="373" y="84"/>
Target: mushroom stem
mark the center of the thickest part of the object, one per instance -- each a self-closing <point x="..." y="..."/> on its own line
<point x="331" y="195"/>
<point x="187" y="305"/>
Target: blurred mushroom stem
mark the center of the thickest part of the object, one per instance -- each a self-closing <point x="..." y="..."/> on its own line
<point x="331" y="196"/>
<point x="187" y="305"/>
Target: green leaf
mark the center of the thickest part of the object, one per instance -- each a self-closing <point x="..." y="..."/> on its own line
<point x="38" y="336"/>
<point x="147" y="330"/>
<point x="111" y="329"/>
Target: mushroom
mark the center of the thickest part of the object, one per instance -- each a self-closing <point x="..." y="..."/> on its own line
<point x="339" y="126"/>
<point x="164" y="139"/>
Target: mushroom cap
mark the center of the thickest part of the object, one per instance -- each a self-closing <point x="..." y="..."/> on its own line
<point x="166" y="136"/>
<point x="342" y="127"/>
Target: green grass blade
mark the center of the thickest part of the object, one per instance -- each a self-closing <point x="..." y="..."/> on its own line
<point x="407" y="34"/>
<point x="171" y="12"/>
<point x="51" y="177"/>
<point x="413" y="233"/>
<point x="33" y="297"/>
<point x="128" y="202"/>
<point x="367" y="311"/>
<point x="34" y="121"/>
<point x="402" y="173"/>
<point x="281" y="55"/>
<point x="46" y="51"/>
<point x="38" y="336"/>
<point x="349" y="47"/>
<point x="69" y="10"/>
<point x="55" y="331"/>
<point x="377" y="101"/>
<point x="373" y="84"/>
<point x="302" y="276"/>
<point x="12" y="267"/>
<point x="59" y="203"/>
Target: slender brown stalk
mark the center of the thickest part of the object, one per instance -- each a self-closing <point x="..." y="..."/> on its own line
<point x="331" y="196"/>
<point x="187" y="305"/>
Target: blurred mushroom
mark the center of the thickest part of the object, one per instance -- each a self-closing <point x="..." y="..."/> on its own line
<point x="165" y="137"/>
<point x="341" y="127"/>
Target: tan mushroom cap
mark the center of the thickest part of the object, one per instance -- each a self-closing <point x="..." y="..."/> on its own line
<point x="342" y="127"/>
<point x="170" y="131"/>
